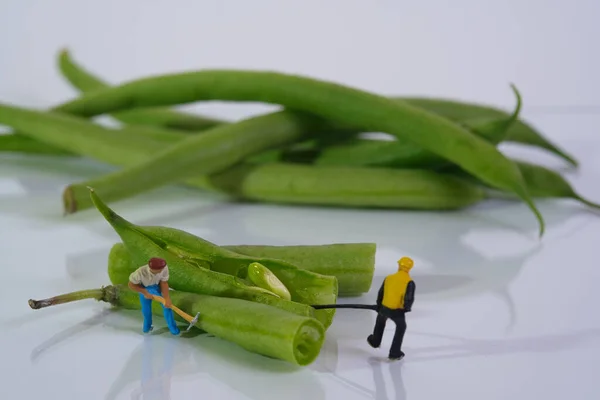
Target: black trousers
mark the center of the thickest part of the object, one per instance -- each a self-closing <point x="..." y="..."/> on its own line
<point x="399" y="318"/>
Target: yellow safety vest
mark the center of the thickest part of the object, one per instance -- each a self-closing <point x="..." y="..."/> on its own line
<point x="394" y="289"/>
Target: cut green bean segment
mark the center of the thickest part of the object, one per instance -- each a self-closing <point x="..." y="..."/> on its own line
<point x="195" y="278"/>
<point x="86" y="82"/>
<point x="191" y="255"/>
<point x="341" y="104"/>
<point x="521" y="132"/>
<point x="353" y="264"/>
<point x="305" y="287"/>
<point x="255" y="327"/>
<point x="262" y="277"/>
<point x="303" y="284"/>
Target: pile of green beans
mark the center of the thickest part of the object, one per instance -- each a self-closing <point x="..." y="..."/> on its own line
<point x="444" y="154"/>
<point x="254" y="296"/>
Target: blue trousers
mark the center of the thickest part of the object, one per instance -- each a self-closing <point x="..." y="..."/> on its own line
<point x="147" y="311"/>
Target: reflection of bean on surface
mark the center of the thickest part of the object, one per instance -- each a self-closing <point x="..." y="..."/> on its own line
<point x="255" y="376"/>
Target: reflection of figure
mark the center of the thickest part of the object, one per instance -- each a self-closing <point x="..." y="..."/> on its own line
<point x="146" y="280"/>
<point x="378" y="379"/>
<point x="155" y="386"/>
<point x="394" y="300"/>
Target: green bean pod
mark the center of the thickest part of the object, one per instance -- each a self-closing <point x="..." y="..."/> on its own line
<point x="82" y="137"/>
<point x="348" y="186"/>
<point x="262" y="277"/>
<point x="400" y="153"/>
<point x="349" y="107"/>
<point x="521" y="132"/>
<point x="546" y="183"/>
<point x="86" y="82"/>
<point x="541" y="182"/>
<point x="357" y="152"/>
<point x="10" y="143"/>
<point x="255" y="327"/>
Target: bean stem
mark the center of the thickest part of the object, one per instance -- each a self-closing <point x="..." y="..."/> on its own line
<point x="353" y="264"/>
<point x="98" y="294"/>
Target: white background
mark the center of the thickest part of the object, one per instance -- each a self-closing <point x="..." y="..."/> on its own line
<point x="498" y="314"/>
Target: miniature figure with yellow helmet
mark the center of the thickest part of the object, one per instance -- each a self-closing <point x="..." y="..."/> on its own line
<point x="395" y="299"/>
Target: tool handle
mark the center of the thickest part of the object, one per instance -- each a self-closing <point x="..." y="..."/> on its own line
<point x="183" y="314"/>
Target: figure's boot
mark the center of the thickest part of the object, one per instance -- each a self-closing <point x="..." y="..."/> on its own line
<point x="372" y="343"/>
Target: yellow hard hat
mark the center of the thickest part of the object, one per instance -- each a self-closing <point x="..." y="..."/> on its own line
<point x="405" y="263"/>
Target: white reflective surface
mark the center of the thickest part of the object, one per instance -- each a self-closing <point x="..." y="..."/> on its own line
<point x="498" y="314"/>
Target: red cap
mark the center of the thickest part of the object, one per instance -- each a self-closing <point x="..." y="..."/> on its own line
<point x="157" y="263"/>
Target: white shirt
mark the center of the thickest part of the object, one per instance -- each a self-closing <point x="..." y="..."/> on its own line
<point x="144" y="276"/>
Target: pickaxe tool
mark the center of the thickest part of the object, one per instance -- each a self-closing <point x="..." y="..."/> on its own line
<point x="183" y="314"/>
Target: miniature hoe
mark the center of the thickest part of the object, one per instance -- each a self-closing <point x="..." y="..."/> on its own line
<point x="183" y="314"/>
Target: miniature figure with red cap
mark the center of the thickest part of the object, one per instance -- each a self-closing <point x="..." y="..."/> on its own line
<point x="150" y="280"/>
